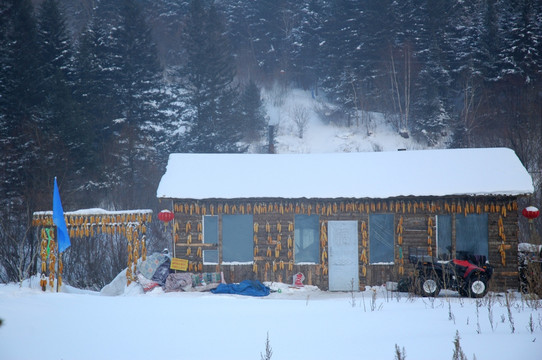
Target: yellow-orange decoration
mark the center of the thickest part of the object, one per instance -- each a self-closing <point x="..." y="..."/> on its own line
<point x="364" y="243"/>
<point x="52" y="263"/>
<point x="430" y="236"/>
<point x="43" y="256"/>
<point x="503" y="246"/>
<point x="399" y="232"/>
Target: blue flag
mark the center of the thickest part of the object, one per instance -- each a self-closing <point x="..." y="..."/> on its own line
<point x="60" y="222"/>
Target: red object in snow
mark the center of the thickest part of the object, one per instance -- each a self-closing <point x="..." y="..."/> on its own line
<point x="298" y="280"/>
<point x="530" y="212"/>
<point x="165" y="216"/>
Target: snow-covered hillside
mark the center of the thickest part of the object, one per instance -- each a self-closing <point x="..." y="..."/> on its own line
<point x="289" y="107"/>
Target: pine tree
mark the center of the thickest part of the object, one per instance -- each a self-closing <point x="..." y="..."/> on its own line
<point x="209" y="80"/>
<point x="19" y="100"/>
<point x="252" y="113"/>
<point x="120" y="82"/>
<point x="21" y="159"/>
<point x="521" y="51"/>
<point x="270" y="31"/>
<point x="307" y="38"/>
<point x="61" y="126"/>
<point x="431" y="107"/>
<point x="341" y="50"/>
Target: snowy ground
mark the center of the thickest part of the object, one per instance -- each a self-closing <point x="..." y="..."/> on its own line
<point x="302" y="324"/>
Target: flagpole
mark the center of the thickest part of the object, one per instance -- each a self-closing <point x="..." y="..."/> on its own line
<point x="173" y="232"/>
<point x="57" y="257"/>
<point x="62" y="236"/>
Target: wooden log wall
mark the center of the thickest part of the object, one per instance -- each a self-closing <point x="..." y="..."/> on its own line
<point x="415" y="227"/>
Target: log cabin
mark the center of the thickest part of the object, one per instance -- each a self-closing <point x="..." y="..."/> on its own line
<point x="344" y="220"/>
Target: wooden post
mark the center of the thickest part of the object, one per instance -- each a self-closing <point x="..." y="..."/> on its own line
<point x="58" y="258"/>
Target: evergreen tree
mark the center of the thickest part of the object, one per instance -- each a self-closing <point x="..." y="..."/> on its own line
<point x="341" y="52"/>
<point x="209" y="80"/>
<point x="61" y="127"/>
<point x="19" y="101"/>
<point x="307" y="38"/>
<point x="21" y="160"/>
<point x="522" y="41"/>
<point x="252" y="112"/>
<point x="271" y="31"/>
<point x="120" y="81"/>
<point x="431" y="105"/>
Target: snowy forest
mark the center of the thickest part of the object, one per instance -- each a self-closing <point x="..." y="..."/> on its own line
<point x="99" y="92"/>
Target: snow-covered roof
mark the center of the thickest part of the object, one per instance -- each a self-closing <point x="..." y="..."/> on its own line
<point x="488" y="171"/>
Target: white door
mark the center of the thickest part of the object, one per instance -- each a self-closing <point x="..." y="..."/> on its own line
<point x="343" y="255"/>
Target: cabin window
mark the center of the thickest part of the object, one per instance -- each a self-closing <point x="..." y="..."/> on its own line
<point x="444" y="236"/>
<point x="381" y="238"/>
<point x="471" y="235"/>
<point x="210" y="236"/>
<point x="237" y="238"/>
<point x="307" y="239"/>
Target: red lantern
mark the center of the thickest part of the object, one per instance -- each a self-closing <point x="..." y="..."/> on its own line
<point x="165" y="216"/>
<point x="530" y="212"/>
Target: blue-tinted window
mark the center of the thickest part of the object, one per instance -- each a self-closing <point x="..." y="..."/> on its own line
<point x="210" y="236"/>
<point x="237" y="238"/>
<point x="471" y="235"/>
<point x="444" y="236"/>
<point x="381" y="238"/>
<point x="307" y="239"/>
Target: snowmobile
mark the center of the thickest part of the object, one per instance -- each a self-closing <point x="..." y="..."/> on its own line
<point x="469" y="275"/>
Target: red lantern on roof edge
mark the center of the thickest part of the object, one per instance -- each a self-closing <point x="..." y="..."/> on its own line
<point x="530" y="212"/>
<point x="165" y="216"/>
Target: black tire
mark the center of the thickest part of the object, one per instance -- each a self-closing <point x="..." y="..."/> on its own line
<point x="476" y="287"/>
<point x="429" y="285"/>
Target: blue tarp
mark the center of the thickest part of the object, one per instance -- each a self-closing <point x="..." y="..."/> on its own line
<point x="245" y="287"/>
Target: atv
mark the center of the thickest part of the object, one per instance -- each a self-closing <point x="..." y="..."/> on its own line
<point x="469" y="275"/>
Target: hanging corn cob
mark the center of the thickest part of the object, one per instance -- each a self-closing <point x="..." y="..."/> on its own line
<point x="324" y="255"/>
<point x="143" y="249"/>
<point x="363" y="257"/>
